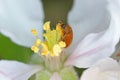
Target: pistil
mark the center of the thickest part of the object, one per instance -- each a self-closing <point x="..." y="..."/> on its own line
<point x="51" y="48"/>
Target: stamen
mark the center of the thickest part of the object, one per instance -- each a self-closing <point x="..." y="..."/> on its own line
<point x="52" y="45"/>
<point x="51" y="49"/>
<point x="59" y="29"/>
<point x="35" y="49"/>
<point x="45" y="50"/>
<point x="56" y="50"/>
<point x="46" y="26"/>
<point x="38" y="42"/>
<point x="34" y="32"/>
<point x="62" y="44"/>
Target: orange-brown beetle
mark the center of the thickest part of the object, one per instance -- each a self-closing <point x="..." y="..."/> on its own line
<point x="67" y="34"/>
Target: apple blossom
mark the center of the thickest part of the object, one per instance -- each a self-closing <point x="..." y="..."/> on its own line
<point x="106" y="69"/>
<point x="96" y="31"/>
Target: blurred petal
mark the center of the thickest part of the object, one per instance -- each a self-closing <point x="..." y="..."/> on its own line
<point x="55" y="77"/>
<point x="106" y="69"/>
<point x="98" y="45"/>
<point x="17" y="18"/>
<point x="87" y="17"/>
<point x="4" y="77"/>
<point x="16" y="70"/>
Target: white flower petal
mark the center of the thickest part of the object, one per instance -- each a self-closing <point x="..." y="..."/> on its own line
<point x="87" y="17"/>
<point x="16" y="70"/>
<point x="106" y="69"/>
<point x="55" y="76"/>
<point x="100" y="45"/>
<point x="3" y="77"/>
<point x="17" y="18"/>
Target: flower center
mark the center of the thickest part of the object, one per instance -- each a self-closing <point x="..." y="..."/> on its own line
<point x="52" y="48"/>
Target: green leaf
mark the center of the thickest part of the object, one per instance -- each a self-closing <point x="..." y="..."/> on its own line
<point x="12" y="51"/>
<point x="79" y="70"/>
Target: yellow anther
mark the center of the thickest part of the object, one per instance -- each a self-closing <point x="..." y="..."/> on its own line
<point x="52" y="54"/>
<point x="57" y="50"/>
<point x="35" y="49"/>
<point x="34" y="32"/>
<point x="45" y="50"/>
<point x="62" y="44"/>
<point x="58" y="28"/>
<point x="46" y="26"/>
<point x="38" y="42"/>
